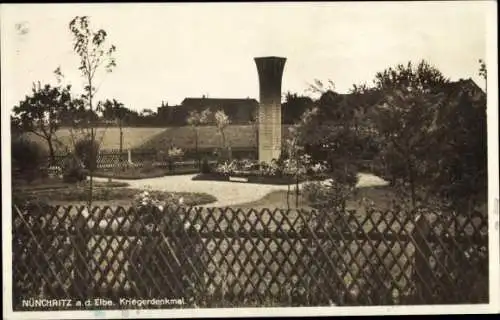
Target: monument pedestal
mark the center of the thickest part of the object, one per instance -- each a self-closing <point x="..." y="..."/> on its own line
<point x="270" y="70"/>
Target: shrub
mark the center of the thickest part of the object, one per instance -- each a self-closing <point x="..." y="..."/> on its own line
<point x="88" y="151"/>
<point x="334" y="192"/>
<point x="73" y="170"/>
<point x="150" y="254"/>
<point x="175" y="153"/>
<point x="28" y="158"/>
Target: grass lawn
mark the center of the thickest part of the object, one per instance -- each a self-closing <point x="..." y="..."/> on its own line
<point x="110" y="193"/>
<point x="381" y="196"/>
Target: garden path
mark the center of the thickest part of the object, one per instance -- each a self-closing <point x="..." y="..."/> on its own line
<point x="227" y="193"/>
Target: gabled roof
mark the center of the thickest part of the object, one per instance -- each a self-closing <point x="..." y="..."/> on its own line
<point x="218" y="101"/>
<point x="464" y="85"/>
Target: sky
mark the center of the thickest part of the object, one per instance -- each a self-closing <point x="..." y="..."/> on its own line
<point x="166" y="52"/>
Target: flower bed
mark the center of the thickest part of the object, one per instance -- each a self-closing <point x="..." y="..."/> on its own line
<point x="277" y="173"/>
<point x="277" y="180"/>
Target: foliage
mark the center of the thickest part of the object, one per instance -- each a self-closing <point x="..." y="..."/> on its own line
<point x="175" y="153"/>
<point x="42" y="112"/>
<point x="332" y="135"/>
<point x="423" y="77"/>
<point x="196" y="119"/>
<point x="458" y="172"/>
<point x="91" y="48"/>
<point x="483" y="72"/>
<point x="112" y="192"/>
<point x="74" y="170"/>
<point x="222" y="121"/>
<point x="431" y="135"/>
<point x="28" y="157"/>
<point x="294" y="106"/>
<point x="148" y="205"/>
<point x="226" y="168"/>
<point x="115" y="111"/>
<point x="87" y="151"/>
<point x="94" y="53"/>
<point x="330" y="194"/>
<point x="156" y="211"/>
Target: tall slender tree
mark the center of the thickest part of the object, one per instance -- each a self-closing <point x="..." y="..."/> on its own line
<point x="115" y="111"/>
<point x="195" y="120"/>
<point x="95" y="54"/>
<point x="222" y="121"/>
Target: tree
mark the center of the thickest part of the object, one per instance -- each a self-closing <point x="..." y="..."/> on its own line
<point x="94" y="53"/>
<point x="459" y="172"/>
<point x="222" y="121"/>
<point x="294" y="106"/>
<point x="423" y="77"/>
<point x="42" y="112"/>
<point x="116" y="111"/>
<point x="483" y="72"/>
<point x="195" y="120"/>
<point x="147" y="113"/>
<point x="405" y="120"/>
<point x="296" y="163"/>
<point x="329" y="134"/>
<point x="404" y="124"/>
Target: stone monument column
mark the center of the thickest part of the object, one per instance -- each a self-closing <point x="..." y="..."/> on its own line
<point x="270" y="70"/>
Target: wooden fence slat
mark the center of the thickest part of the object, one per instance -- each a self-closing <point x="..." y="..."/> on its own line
<point x="227" y="257"/>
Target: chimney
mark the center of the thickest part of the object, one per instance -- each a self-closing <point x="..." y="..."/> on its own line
<point x="270" y="71"/>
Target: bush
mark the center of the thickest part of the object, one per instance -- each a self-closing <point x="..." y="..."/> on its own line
<point x="87" y="151"/>
<point x="28" y="158"/>
<point x="334" y="192"/>
<point x="73" y="170"/>
<point x="182" y="253"/>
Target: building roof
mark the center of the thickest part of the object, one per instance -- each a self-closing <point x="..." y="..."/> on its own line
<point x="218" y="101"/>
<point x="464" y="85"/>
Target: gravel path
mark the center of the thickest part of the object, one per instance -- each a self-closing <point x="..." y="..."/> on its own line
<point x="227" y="193"/>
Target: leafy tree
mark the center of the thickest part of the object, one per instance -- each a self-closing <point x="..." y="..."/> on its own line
<point x="329" y="134"/>
<point x="294" y="106"/>
<point x="423" y="77"/>
<point x="147" y="113"/>
<point x="404" y="121"/>
<point x="222" y="121"/>
<point x="42" y="112"/>
<point x="195" y="120"/>
<point x="320" y="87"/>
<point x="460" y="140"/>
<point x="116" y="111"/>
<point x="94" y="53"/>
<point x="295" y="161"/>
<point x="483" y="72"/>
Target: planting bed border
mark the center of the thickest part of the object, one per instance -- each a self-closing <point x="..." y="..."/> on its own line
<point x="256" y="179"/>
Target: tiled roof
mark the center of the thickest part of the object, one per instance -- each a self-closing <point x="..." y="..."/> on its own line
<point x="219" y="102"/>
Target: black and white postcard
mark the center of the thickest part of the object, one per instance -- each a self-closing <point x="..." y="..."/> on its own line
<point x="249" y="159"/>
